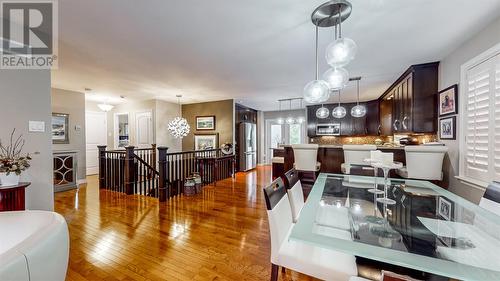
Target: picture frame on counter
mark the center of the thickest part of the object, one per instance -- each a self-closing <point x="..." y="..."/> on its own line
<point x="448" y="128"/>
<point x="445" y="208"/>
<point x="60" y="128"/>
<point x="205" y="123"/>
<point x="206" y="141"/>
<point x="448" y="101"/>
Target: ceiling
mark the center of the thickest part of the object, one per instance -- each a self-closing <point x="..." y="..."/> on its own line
<point x="253" y="51"/>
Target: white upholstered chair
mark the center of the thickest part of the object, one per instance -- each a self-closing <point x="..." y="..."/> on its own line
<point x="355" y="154"/>
<point x="295" y="193"/>
<point x="320" y="263"/>
<point x="306" y="156"/>
<point x="423" y="162"/>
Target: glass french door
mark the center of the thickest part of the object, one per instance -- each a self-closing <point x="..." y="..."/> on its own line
<point x="278" y="134"/>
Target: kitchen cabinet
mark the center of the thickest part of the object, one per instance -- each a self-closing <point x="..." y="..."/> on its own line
<point x="410" y="102"/>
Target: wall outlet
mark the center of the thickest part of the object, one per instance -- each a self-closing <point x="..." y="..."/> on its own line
<point x="78" y="128"/>
<point x="36" y="126"/>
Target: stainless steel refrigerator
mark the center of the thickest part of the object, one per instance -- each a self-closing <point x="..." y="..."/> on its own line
<point x="247" y="140"/>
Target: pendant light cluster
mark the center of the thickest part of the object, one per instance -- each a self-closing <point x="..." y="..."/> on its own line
<point x="339" y="53"/>
<point x="290" y="119"/>
<point x="179" y="127"/>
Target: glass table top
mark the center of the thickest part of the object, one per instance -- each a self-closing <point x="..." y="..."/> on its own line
<point x="428" y="229"/>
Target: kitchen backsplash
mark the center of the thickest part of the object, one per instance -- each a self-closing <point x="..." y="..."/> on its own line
<point x="339" y="140"/>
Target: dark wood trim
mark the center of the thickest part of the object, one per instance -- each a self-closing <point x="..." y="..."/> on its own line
<point x="274" y="192"/>
<point x="406" y="73"/>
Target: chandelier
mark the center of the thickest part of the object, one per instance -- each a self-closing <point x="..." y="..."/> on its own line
<point x="179" y="127"/>
<point x="339" y="53"/>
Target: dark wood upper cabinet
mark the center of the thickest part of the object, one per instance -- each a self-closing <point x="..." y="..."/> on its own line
<point x="412" y="100"/>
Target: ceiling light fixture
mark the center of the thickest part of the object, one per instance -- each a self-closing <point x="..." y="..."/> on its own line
<point x="342" y="50"/>
<point x="322" y="112"/>
<point x="179" y="127"/>
<point x="358" y="110"/>
<point x="317" y="90"/>
<point x="105" y="107"/>
<point x="339" y="111"/>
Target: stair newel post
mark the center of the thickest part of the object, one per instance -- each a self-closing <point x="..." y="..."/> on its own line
<point x="129" y="170"/>
<point x="163" y="173"/>
<point x="102" y="166"/>
<point x="153" y="156"/>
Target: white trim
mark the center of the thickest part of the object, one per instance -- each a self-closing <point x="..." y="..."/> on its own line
<point x="484" y="56"/>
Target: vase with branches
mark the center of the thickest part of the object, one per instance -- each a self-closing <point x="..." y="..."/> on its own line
<point x="12" y="160"/>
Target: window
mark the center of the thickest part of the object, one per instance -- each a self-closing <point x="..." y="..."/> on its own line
<point x="295" y="133"/>
<point x="480" y="149"/>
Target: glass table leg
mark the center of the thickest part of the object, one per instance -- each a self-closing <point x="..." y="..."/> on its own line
<point x="386" y="200"/>
<point x="375" y="190"/>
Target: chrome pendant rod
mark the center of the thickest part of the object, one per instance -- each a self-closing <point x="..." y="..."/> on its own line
<point x="317" y="68"/>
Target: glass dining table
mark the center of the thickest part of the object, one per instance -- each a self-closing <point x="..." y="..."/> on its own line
<point x="428" y="229"/>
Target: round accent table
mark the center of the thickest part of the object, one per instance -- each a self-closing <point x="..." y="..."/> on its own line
<point x="12" y="197"/>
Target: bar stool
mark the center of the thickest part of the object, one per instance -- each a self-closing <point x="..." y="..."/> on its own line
<point x="355" y="154"/>
<point x="306" y="156"/>
<point x="423" y="162"/>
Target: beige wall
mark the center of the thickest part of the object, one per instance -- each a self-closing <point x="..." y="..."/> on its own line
<point x="72" y="103"/>
<point x="166" y="112"/>
<point x="25" y="96"/>
<point x="449" y="74"/>
<point x="223" y="111"/>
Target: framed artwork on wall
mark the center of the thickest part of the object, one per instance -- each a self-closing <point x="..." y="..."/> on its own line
<point x="205" y="122"/>
<point x="206" y="141"/>
<point x="448" y="101"/>
<point x="60" y="125"/>
<point x="448" y="128"/>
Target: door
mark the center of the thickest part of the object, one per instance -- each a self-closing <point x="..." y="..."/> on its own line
<point x="277" y="134"/>
<point x="95" y="134"/>
<point x="144" y="129"/>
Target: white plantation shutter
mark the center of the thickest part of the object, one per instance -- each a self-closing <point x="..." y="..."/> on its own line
<point x="482" y="121"/>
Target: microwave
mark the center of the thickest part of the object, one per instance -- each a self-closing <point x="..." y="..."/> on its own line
<point x="332" y="129"/>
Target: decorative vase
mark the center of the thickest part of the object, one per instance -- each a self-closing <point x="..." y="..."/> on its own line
<point x="9" y="180"/>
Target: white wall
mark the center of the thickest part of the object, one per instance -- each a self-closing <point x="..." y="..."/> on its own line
<point x="449" y="74"/>
<point x="72" y="103"/>
<point x="24" y="96"/>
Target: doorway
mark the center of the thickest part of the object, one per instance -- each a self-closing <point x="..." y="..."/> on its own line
<point x="95" y="134"/>
<point x="279" y="134"/>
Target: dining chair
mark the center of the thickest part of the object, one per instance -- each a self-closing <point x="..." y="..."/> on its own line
<point x="314" y="261"/>
<point x="423" y="162"/>
<point x="295" y="192"/>
<point x="355" y="155"/>
<point x="491" y="198"/>
<point x="306" y="156"/>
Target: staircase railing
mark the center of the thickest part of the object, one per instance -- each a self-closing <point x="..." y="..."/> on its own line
<point x="134" y="171"/>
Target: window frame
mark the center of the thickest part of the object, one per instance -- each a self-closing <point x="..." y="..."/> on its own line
<point x="463" y="90"/>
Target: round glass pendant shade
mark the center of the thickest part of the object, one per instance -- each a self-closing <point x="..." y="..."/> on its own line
<point x="340" y="52"/>
<point x="339" y="112"/>
<point x="358" y="111"/>
<point x="301" y="120"/>
<point x="290" y="120"/>
<point x="316" y="91"/>
<point x="322" y="112"/>
<point x="280" y="121"/>
<point x="336" y="78"/>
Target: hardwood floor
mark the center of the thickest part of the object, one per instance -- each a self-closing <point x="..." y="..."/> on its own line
<point x="222" y="234"/>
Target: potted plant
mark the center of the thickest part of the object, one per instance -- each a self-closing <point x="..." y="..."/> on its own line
<point x="12" y="161"/>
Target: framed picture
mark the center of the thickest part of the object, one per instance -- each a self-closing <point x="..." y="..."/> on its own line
<point x="448" y="101"/>
<point x="206" y="141"/>
<point x="205" y="122"/>
<point x="448" y="128"/>
<point x="444" y="208"/>
<point x="60" y="125"/>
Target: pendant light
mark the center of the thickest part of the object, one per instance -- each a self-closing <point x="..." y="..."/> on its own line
<point x="337" y="77"/>
<point x="179" y="127"/>
<point x="339" y="111"/>
<point x="341" y="51"/>
<point x="358" y="110"/>
<point x="290" y="120"/>
<point x="322" y="112"/>
<point x="316" y="91"/>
